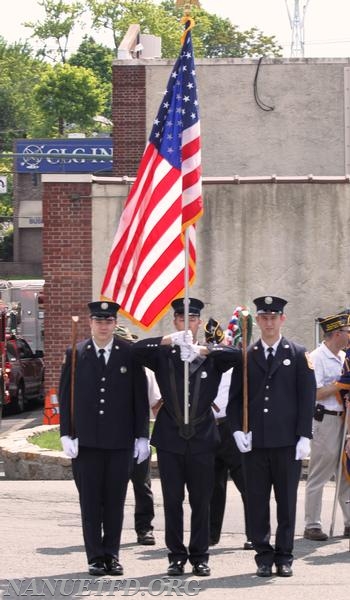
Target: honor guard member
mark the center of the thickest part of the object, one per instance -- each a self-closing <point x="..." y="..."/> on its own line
<point x="328" y="426"/>
<point x="141" y="472"/>
<point x="110" y="410"/>
<point x="186" y="452"/>
<point x="281" y="400"/>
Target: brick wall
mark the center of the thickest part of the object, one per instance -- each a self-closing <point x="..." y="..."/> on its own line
<point x="129" y="117"/>
<point x="67" y="268"/>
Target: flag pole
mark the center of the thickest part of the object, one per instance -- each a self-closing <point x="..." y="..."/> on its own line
<point x="339" y="473"/>
<point x="186" y="18"/>
<point x="186" y="314"/>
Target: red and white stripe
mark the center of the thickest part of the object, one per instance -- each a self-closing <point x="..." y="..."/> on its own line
<point x="146" y="265"/>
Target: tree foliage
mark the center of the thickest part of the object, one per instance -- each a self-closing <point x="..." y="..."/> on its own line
<point x="213" y="36"/>
<point x="18" y="110"/>
<point x="60" y="20"/>
<point x="69" y="94"/>
<point x="98" y="58"/>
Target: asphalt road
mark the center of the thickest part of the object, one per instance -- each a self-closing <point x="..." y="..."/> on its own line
<point x="42" y="552"/>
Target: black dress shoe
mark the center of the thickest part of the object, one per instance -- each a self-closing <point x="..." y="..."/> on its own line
<point x="113" y="566"/>
<point x="176" y="568"/>
<point x="284" y="571"/>
<point x="201" y="569"/>
<point x="146" y="538"/>
<point x="97" y="567"/>
<point x="264" y="571"/>
<point x="248" y="545"/>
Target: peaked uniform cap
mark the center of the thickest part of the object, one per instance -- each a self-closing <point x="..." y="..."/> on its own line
<point x="334" y="322"/>
<point x="103" y="309"/>
<point x="195" y="306"/>
<point x="269" y="304"/>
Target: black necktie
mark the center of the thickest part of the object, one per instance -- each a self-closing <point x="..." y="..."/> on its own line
<point x="269" y="358"/>
<point x="101" y="359"/>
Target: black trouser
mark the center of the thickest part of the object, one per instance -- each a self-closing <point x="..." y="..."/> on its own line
<point x="144" y="506"/>
<point x="228" y="460"/>
<point x="268" y="468"/>
<point x="196" y="472"/>
<point x="101" y="477"/>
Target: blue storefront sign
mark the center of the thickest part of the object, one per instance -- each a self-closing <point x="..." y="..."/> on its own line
<point x="68" y="155"/>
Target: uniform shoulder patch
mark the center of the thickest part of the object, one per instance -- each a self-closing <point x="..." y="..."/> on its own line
<point x="309" y="361"/>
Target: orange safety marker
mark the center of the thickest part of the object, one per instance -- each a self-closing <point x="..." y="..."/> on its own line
<point x="51" y="408"/>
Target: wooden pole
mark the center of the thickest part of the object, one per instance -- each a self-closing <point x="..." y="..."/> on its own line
<point x="75" y="321"/>
<point x="245" y="369"/>
<point x="339" y="473"/>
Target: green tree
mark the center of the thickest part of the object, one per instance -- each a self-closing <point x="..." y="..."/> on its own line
<point x="6" y="243"/>
<point x="6" y="211"/>
<point x="98" y="58"/>
<point x="117" y="15"/>
<point x="18" y="110"/>
<point x="68" y="94"/>
<point x="214" y="36"/>
<point x="60" y="20"/>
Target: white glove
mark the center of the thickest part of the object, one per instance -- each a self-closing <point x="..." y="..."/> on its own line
<point x="181" y="337"/>
<point x="141" y="449"/>
<point x="243" y="440"/>
<point x="189" y="352"/>
<point x="70" y="447"/>
<point x="302" y="449"/>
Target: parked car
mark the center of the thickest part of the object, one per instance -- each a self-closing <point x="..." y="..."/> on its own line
<point x="24" y="374"/>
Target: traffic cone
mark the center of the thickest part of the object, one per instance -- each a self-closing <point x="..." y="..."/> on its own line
<point x="51" y="408"/>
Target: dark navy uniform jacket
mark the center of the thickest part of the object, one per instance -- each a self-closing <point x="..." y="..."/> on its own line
<point x="204" y="380"/>
<point x="280" y="403"/>
<point x="111" y="408"/>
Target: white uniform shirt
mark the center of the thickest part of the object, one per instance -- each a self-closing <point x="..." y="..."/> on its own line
<point x="107" y="349"/>
<point x="154" y="394"/>
<point x="328" y="368"/>
<point x="221" y="399"/>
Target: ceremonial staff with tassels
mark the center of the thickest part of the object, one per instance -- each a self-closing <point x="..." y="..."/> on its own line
<point x="75" y="320"/>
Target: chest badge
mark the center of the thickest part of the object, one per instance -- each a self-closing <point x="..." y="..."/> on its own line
<point x="204" y="375"/>
<point x="286" y="362"/>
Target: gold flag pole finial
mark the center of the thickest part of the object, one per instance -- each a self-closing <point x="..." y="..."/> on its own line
<point x="186" y="4"/>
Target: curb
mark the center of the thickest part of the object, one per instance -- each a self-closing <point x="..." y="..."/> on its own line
<point x="26" y="461"/>
<point x="23" y="460"/>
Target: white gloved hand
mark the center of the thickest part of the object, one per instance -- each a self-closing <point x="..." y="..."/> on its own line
<point x="181" y="337"/>
<point x="189" y="352"/>
<point x="303" y="448"/>
<point x="70" y="447"/>
<point x="243" y="440"/>
<point x="142" y="449"/>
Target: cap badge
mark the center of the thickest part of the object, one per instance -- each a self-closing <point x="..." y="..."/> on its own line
<point x="104" y="305"/>
<point x="268" y="300"/>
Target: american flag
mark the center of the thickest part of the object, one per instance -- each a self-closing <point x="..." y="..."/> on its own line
<point x="146" y="268"/>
